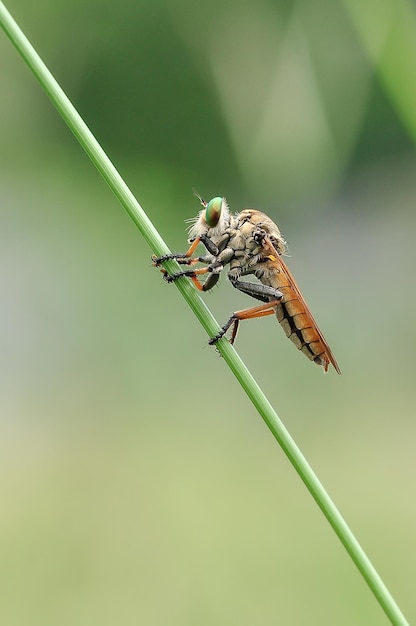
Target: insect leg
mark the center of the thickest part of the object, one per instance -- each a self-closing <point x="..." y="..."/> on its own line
<point x="183" y="258"/>
<point x="256" y="290"/>
<point x="247" y="314"/>
<point x="210" y="245"/>
<point x="212" y="270"/>
<point x="269" y="295"/>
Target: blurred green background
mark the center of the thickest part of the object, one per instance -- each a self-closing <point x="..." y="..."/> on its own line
<point x="138" y="485"/>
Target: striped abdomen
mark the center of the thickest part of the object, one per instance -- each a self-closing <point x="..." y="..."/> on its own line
<point x="300" y="328"/>
<point x="295" y="317"/>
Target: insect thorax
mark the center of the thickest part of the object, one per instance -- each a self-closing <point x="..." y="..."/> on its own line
<point x="251" y="220"/>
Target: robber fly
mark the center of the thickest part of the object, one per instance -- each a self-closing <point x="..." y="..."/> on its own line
<point x="251" y="244"/>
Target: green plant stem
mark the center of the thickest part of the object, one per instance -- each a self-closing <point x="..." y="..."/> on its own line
<point x="156" y="243"/>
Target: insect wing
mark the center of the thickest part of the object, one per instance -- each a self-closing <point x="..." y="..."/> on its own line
<point x="283" y="269"/>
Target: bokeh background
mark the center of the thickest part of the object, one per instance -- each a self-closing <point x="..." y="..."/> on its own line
<point x="138" y="485"/>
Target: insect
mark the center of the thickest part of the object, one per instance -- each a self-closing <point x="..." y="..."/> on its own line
<point x="251" y="244"/>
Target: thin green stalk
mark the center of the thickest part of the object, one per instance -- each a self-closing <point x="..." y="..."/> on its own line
<point x="156" y="243"/>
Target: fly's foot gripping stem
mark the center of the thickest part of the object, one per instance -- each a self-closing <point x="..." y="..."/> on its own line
<point x="232" y="321"/>
<point x="183" y="258"/>
<point x="247" y="314"/>
<point x="170" y="278"/>
<point x="193" y="275"/>
<point x="180" y="257"/>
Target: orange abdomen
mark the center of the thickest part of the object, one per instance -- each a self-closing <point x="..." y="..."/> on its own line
<point x="299" y="327"/>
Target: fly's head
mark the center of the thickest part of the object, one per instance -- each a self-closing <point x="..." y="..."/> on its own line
<point x="213" y="220"/>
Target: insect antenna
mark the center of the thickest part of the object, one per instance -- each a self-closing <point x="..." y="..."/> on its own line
<point x="202" y="201"/>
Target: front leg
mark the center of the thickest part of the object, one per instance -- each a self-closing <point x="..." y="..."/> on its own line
<point x="185" y="258"/>
<point x="212" y="270"/>
<point x="214" y="260"/>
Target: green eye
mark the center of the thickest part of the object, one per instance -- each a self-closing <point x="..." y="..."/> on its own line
<point x="213" y="211"/>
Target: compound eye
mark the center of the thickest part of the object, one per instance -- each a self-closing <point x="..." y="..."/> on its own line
<point x="213" y="211"/>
